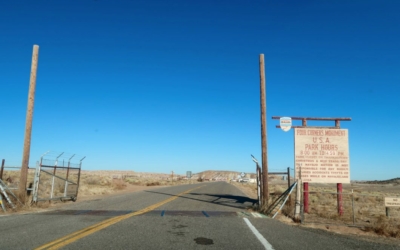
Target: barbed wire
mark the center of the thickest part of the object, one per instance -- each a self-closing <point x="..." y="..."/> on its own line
<point x="62" y="156"/>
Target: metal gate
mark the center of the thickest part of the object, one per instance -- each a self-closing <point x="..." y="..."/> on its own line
<point x="56" y="178"/>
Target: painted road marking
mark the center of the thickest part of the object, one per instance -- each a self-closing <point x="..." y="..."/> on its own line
<point x="205" y="213"/>
<point x="66" y="240"/>
<point x="258" y="235"/>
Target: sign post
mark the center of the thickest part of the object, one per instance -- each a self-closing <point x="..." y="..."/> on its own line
<point x="322" y="154"/>
<point x="391" y="202"/>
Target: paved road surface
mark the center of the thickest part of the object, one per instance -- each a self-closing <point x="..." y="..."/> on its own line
<point x="197" y="216"/>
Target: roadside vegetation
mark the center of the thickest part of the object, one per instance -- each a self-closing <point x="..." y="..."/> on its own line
<point x="92" y="183"/>
<point x="367" y="202"/>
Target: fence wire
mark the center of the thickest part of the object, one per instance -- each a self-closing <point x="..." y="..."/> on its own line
<point x="55" y="186"/>
<point x="358" y="208"/>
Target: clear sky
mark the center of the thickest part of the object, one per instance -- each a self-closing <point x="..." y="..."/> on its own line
<point x="157" y="86"/>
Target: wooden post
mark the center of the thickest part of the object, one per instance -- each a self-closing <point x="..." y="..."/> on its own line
<point x="298" y="200"/>
<point x="261" y="184"/>
<point x="263" y="132"/>
<point x="1" y="170"/>
<point x="352" y="206"/>
<point x="28" y="125"/>
<point x="258" y="185"/>
<point x="337" y="124"/>
<point x="339" y="199"/>
<point x="297" y="208"/>
<point x="288" y="177"/>
<point x="305" y="184"/>
<point x="305" y="195"/>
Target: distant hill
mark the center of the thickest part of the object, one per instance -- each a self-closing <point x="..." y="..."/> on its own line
<point x="220" y="175"/>
<point x="395" y="181"/>
<point x="225" y="175"/>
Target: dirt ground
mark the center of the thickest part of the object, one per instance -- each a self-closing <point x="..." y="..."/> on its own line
<point x="329" y="225"/>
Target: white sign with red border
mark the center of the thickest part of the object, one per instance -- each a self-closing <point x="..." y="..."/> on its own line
<point x="322" y="155"/>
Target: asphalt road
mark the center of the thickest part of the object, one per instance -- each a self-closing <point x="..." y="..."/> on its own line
<point x="197" y="216"/>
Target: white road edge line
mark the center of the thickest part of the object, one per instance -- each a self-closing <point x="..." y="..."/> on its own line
<point x="258" y="235"/>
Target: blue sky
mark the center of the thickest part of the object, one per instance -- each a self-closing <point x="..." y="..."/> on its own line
<point x="157" y="86"/>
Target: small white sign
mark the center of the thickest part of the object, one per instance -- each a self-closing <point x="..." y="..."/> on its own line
<point x="392" y="202"/>
<point x="243" y="174"/>
<point x="286" y="123"/>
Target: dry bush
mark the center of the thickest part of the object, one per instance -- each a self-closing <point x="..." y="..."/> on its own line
<point x="156" y="183"/>
<point x="119" y="184"/>
<point x="288" y="209"/>
<point x="133" y="181"/>
<point x="385" y="226"/>
<point x="278" y="190"/>
<point x="91" y="180"/>
<point x="60" y="187"/>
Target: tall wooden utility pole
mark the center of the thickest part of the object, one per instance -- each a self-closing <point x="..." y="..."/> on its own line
<point x="28" y="125"/>
<point x="263" y="133"/>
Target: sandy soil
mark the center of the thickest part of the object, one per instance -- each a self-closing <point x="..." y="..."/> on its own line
<point x="328" y="225"/>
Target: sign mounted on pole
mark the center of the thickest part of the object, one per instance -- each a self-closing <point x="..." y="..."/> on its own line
<point x="286" y="123"/>
<point x="392" y="202"/>
<point x="322" y="155"/>
<point x="188" y="174"/>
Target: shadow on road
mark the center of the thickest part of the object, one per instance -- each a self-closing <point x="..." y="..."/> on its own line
<point x="227" y="200"/>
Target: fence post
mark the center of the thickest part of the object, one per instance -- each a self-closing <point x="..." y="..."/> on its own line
<point x="79" y="176"/>
<point x="388" y="212"/>
<point x="2" y="168"/>
<point x="305" y="195"/>
<point x="297" y="212"/>
<point x="340" y="199"/>
<point x="288" y="177"/>
<point x="352" y="206"/>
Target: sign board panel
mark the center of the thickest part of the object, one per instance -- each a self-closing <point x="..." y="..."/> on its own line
<point x="392" y="202"/>
<point x="322" y="155"/>
<point x="243" y="174"/>
<point x="285" y="123"/>
<point x="189" y="174"/>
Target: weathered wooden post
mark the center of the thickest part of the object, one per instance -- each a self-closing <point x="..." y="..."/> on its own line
<point x="28" y="125"/>
<point x="1" y="170"/>
<point x="263" y="132"/>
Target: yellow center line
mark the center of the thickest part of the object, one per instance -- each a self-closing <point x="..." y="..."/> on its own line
<point x="61" y="242"/>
